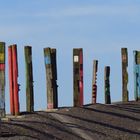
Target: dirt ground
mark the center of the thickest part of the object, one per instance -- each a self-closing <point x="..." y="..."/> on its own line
<point x="91" y="122"/>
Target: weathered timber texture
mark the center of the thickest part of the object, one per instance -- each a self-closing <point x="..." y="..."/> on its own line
<point x="13" y="79"/>
<point x="2" y="79"/>
<point x="94" y="85"/>
<point x="29" y="79"/>
<point x="124" y="54"/>
<point x="78" y="77"/>
<point x="51" y="77"/>
<point x="107" y="85"/>
<point x="136" y="75"/>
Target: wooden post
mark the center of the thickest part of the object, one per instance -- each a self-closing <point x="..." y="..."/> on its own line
<point x="29" y="79"/>
<point x="13" y="79"/>
<point x="78" y="76"/>
<point x="54" y="77"/>
<point x="2" y="79"/>
<point x="136" y="75"/>
<point x="124" y="53"/>
<point x="51" y="77"/>
<point x="94" y="86"/>
<point x="107" y="85"/>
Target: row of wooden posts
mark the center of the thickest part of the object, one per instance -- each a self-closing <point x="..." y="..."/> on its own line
<point x="51" y="78"/>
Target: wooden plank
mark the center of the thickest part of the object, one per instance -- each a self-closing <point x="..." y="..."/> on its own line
<point x="2" y="79"/>
<point x="29" y="79"/>
<point x="125" y="96"/>
<point x="78" y="77"/>
<point x="51" y="77"/>
<point x="136" y="75"/>
<point x="94" y="78"/>
<point x="107" y="85"/>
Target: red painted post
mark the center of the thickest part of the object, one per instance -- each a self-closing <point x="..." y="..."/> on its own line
<point x="11" y="80"/>
<point x="81" y="77"/>
<point x="15" y="79"/>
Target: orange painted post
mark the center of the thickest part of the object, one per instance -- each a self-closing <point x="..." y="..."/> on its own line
<point x="11" y="80"/>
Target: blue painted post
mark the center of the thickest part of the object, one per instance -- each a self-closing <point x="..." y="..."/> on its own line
<point x="136" y="75"/>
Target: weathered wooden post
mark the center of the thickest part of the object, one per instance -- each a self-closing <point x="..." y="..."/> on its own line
<point x="13" y="79"/>
<point x="29" y="79"/>
<point x="78" y="76"/>
<point x="136" y="75"/>
<point x="51" y="77"/>
<point x="2" y="79"/>
<point x="125" y="95"/>
<point x="107" y="85"/>
<point x="94" y="85"/>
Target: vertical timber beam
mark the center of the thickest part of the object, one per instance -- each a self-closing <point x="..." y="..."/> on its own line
<point x="54" y="76"/>
<point x="94" y="85"/>
<point x="124" y="54"/>
<point x="11" y="88"/>
<point x="51" y="77"/>
<point x="29" y="79"/>
<point x="136" y="75"/>
<point x="81" y="85"/>
<point x="2" y="79"/>
<point x="107" y="85"/>
<point x="78" y="76"/>
<point x="13" y="79"/>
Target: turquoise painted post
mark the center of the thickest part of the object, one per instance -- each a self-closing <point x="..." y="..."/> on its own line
<point x="136" y="75"/>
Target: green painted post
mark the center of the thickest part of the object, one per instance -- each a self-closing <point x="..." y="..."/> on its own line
<point x="2" y="79"/>
<point x="125" y="96"/>
<point x="29" y="79"/>
<point x="107" y="85"/>
<point x="51" y="77"/>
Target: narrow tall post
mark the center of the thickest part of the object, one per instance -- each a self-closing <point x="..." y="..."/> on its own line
<point x="124" y="54"/>
<point x="107" y="85"/>
<point x="136" y="75"/>
<point x="29" y="79"/>
<point x="12" y="108"/>
<point x="78" y="76"/>
<point x="51" y="77"/>
<point x="2" y="79"/>
<point x="13" y="80"/>
<point x="94" y="85"/>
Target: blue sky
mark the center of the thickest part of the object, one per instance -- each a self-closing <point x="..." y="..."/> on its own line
<point x="100" y="27"/>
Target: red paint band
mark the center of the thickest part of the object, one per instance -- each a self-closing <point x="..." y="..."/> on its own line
<point x="2" y="66"/>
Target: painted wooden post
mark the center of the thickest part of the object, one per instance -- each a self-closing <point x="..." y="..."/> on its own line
<point x="107" y="85"/>
<point x="13" y="79"/>
<point x="125" y="95"/>
<point x="78" y="76"/>
<point x="2" y="79"/>
<point x="29" y="79"/>
<point x="94" y="85"/>
<point x="51" y="77"/>
<point x="12" y="110"/>
<point x="136" y="75"/>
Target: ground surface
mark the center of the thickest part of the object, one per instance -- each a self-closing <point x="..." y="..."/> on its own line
<point x="91" y="122"/>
